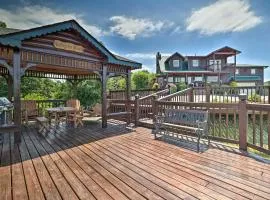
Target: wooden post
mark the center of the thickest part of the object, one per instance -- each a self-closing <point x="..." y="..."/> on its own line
<point x="208" y="93"/>
<point x="128" y="94"/>
<point x="268" y="94"/>
<point x="104" y="96"/>
<point x="10" y="87"/>
<point x="191" y="97"/>
<point x="137" y="109"/>
<point x="234" y="66"/>
<point x="243" y="122"/>
<point x="17" y="93"/>
<point x="155" y="107"/>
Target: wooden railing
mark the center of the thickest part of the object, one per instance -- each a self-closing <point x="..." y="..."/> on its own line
<point x="223" y="118"/>
<point x="259" y="94"/>
<point x="258" y="127"/>
<point x="243" y="123"/>
<point x="144" y="105"/>
<point x="43" y="104"/>
<point x="121" y="94"/>
<point x="183" y="96"/>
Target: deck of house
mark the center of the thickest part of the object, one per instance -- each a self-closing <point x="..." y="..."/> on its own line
<point x="113" y="163"/>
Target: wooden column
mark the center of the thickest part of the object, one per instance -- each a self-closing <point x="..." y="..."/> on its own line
<point x="10" y="87"/>
<point x="17" y="93"/>
<point x="104" y="96"/>
<point x="243" y="122"/>
<point x="137" y="109"/>
<point x="128" y="94"/>
<point x="234" y="66"/>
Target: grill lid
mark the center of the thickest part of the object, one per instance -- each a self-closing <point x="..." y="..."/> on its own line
<point x="5" y="102"/>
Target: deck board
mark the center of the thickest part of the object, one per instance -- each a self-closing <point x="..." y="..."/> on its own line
<point x="112" y="163"/>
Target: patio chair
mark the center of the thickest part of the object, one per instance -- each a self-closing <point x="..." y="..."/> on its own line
<point x="29" y="110"/>
<point x="75" y="117"/>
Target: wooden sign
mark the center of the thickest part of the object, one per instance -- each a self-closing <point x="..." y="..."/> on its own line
<point x="67" y="46"/>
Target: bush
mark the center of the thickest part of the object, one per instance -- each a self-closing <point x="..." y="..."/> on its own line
<point x="181" y="86"/>
<point x="173" y="89"/>
<point x="233" y="84"/>
<point x="155" y="86"/>
<point x="254" y="98"/>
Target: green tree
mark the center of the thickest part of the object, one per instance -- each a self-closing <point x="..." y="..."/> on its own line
<point x="3" y="24"/>
<point x="181" y="86"/>
<point x="141" y="79"/>
<point x="3" y="87"/>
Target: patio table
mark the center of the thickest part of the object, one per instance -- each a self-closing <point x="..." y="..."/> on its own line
<point x="57" y="111"/>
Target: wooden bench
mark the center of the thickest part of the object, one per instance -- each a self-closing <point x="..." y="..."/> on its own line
<point x="42" y="124"/>
<point x="194" y="121"/>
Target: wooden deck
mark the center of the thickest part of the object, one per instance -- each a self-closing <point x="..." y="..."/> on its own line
<point x="95" y="163"/>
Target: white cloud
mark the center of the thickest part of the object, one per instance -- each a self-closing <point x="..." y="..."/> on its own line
<point x="133" y="27"/>
<point x="223" y="16"/>
<point x="141" y="55"/>
<point x="144" y="56"/>
<point x="33" y="16"/>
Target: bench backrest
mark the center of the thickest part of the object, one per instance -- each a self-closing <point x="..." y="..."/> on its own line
<point x="30" y="106"/>
<point x="185" y="117"/>
<point x="75" y="103"/>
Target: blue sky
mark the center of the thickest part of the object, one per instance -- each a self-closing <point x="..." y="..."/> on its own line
<point x="138" y="29"/>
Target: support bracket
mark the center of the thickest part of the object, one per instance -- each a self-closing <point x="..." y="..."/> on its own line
<point x="4" y="64"/>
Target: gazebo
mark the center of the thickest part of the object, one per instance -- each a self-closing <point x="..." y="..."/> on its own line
<point x="60" y="51"/>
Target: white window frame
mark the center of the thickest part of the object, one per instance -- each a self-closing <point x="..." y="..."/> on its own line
<point x="253" y="71"/>
<point x="195" y="63"/>
<point x="170" y="79"/>
<point x="176" y="61"/>
<point x="236" y="71"/>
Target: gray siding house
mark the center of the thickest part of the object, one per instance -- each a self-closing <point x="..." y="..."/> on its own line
<point x="213" y="68"/>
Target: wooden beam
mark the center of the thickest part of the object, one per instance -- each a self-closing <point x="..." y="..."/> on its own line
<point x="17" y="93"/>
<point x="4" y="64"/>
<point x="10" y="87"/>
<point x="104" y="96"/>
<point x="128" y="94"/>
<point x="243" y="122"/>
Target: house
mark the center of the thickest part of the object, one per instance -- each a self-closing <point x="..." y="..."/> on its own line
<point x="213" y="68"/>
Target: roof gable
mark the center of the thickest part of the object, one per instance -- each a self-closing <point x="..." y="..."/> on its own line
<point x="15" y="39"/>
<point x="225" y="49"/>
<point x="175" y="54"/>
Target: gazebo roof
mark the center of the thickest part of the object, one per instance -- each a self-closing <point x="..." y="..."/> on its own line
<point x="14" y="38"/>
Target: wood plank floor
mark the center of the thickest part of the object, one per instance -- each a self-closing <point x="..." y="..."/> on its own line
<point x="112" y="163"/>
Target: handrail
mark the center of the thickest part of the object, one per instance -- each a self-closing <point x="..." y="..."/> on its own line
<point x="198" y="104"/>
<point x="156" y="93"/>
<point x="258" y="107"/>
<point x="175" y="94"/>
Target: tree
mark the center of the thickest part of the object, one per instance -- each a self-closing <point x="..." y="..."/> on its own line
<point x="142" y="79"/>
<point x="3" y="24"/>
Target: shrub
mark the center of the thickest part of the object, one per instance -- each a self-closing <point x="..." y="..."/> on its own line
<point x="173" y="89"/>
<point x="181" y="86"/>
<point x="155" y="86"/>
<point x="254" y="98"/>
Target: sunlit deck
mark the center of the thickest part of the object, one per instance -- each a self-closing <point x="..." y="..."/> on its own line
<point x="112" y="163"/>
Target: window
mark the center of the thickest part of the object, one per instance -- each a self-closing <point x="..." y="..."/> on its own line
<point x="170" y="79"/>
<point x="253" y="71"/>
<point x="237" y="71"/>
<point x="195" y="63"/>
<point x="176" y="63"/>
<point x="215" y="64"/>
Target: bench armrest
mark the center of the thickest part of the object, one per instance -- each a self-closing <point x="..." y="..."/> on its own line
<point x="202" y="127"/>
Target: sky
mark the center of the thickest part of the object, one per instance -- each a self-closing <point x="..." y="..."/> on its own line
<point x="139" y="29"/>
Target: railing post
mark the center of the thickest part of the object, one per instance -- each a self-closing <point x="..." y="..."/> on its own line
<point x="155" y="107"/>
<point x="208" y="93"/>
<point x="243" y="122"/>
<point x="268" y="94"/>
<point x="137" y="109"/>
<point x="191" y="96"/>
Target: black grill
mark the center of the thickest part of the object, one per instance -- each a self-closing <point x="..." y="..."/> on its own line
<point x="6" y="110"/>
